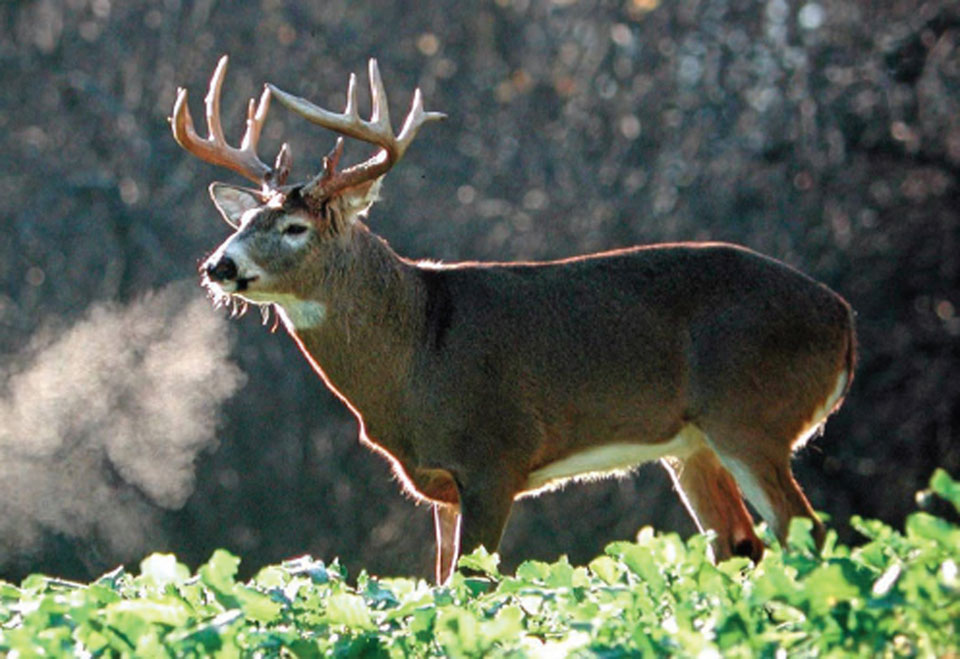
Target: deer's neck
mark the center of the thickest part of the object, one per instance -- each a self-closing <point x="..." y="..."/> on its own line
<point x="359" y="328"/>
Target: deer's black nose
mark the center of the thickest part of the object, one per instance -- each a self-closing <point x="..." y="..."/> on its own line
<point x="223" y="270"/>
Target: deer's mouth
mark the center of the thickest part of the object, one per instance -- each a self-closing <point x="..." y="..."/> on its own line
<point x="242" y="284"/>
<point x="229" y="287"/>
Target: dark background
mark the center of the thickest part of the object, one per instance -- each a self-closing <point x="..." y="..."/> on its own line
<point x="825" y="134"/>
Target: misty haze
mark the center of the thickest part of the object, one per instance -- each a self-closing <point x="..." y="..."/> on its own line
<point x="103" y="421"/>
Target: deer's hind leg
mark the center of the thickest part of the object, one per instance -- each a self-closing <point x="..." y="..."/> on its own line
<point x="761" y="467"/>
<point x="446" y="521"/>
<point x="713" y="499"/>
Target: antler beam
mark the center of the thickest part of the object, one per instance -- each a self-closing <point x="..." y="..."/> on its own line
<point x="377" y="131"/>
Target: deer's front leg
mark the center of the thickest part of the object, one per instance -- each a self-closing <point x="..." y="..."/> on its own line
<point x="446" y="522"/>
<point x="484" y="510"/>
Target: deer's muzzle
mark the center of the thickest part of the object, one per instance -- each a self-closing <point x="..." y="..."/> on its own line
<point x="223" y="270"/>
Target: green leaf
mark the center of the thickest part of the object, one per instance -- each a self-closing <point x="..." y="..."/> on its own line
<point x="421" y="623"/>
<point x="607" y="569"/>
<point x="159" y="570"/>
<point x="37" y="583"/>
<point x="220" y="570"/>
<point x="315" y="570"/>
<point x="924" y="525"/>
<point x="350" y="610"/>
<point x="827" y="586"/>
<point x="482" y="561"/>
<point x="640" y="560"/>
<point x="256" y="605"/>
<point x="378" y="596"/>
<point x="871" y="528"/>
<point x="114" y="578"/>
<point x="799" y="535"/>
<point x="506" y="625"/>
<point x="168" y="611"/>
<point x="533" y="572"/>
<point x="218" y="575"/>
<point x="561" y="574"/>
<point x="305" y="649"/>
<point x="214" y="637"/>
<point x="272" y="577"/>
<point x="9" y="591"/>
<point x="946" y="487"/>
<point x="458" y="633"/>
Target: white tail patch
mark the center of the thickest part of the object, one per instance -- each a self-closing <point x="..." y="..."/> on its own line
<point x="611" y="460"/>
<point x="819" y="417"/>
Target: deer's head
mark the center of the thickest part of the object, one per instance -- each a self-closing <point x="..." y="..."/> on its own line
<point x="283" y="232"/>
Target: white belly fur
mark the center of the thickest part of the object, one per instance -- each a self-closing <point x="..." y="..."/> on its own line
<point x="611" y="460"/>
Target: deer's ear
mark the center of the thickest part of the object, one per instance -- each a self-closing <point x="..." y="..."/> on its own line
<point x="356" y="201"/>
<point x="233" y="201"/>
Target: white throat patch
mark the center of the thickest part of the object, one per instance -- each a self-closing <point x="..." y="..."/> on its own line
<point x="301" y="314"/>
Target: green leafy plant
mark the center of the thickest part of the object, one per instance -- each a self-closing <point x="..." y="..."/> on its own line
<point x="896" y="595"/>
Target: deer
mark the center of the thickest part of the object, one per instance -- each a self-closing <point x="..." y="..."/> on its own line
<point x="485" y="382"/>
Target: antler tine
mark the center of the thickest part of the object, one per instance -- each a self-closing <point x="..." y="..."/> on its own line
<point x="256" y="116"/>
<point x="377" y="131"/>
<point x="282" y="165"/>
<point x="212" y="103"/>
<point x="379" y="107"/>
<point x="214" y="149"/>
<point x="415" y="119"/>
<point x="351" y="110"/>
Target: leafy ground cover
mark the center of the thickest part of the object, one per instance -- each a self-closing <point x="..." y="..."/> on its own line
<point x="896" y="595"/>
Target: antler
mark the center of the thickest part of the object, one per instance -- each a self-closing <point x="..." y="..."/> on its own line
<point x="377" y="130"/>
<point x="214" y="149"/>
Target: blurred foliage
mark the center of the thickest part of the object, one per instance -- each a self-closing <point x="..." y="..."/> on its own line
<point x="898" y="595"/>
<point x="825" y="133"/>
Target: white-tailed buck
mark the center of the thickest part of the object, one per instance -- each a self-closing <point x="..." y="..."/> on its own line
<point x="485" y="382"/>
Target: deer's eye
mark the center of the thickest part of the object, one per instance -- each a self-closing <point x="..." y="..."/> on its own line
<point x="294" y="230"/>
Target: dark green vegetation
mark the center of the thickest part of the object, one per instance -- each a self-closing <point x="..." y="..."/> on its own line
<point x="896" y="595"/>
